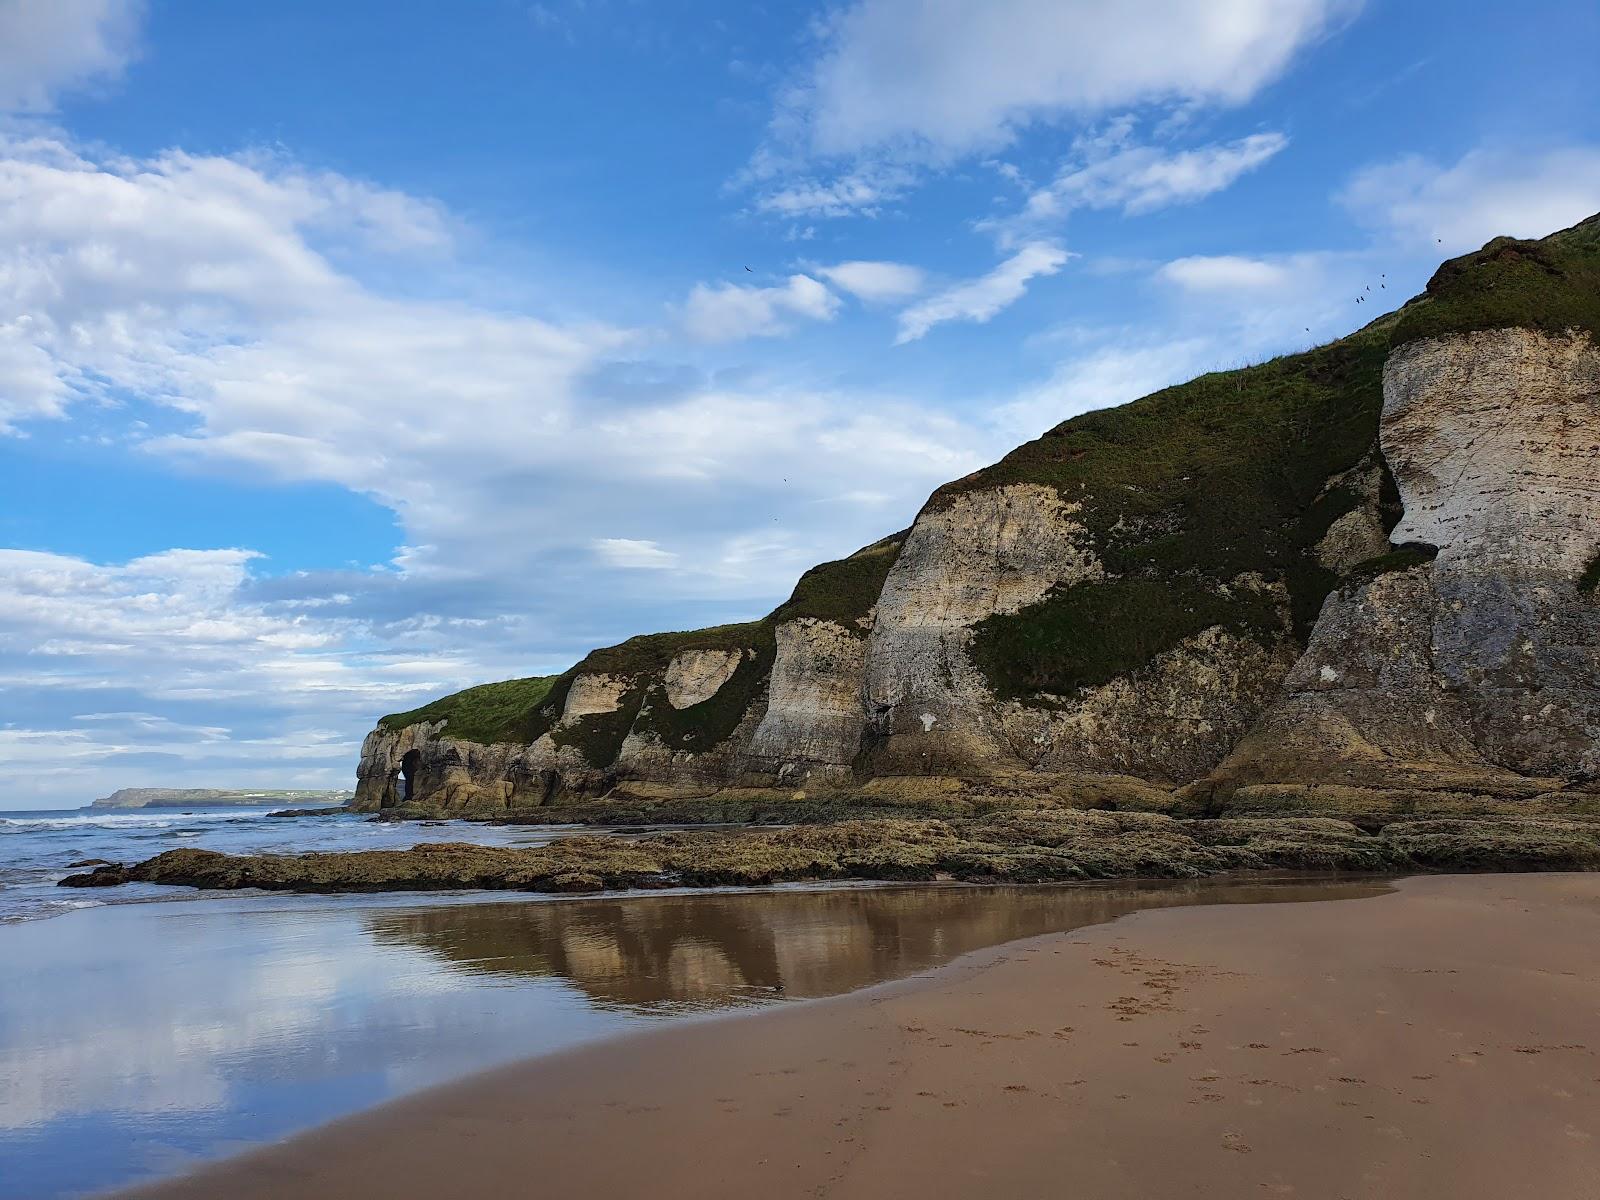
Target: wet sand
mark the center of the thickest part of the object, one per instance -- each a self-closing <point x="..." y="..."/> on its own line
<point x="1439" y="1041"/>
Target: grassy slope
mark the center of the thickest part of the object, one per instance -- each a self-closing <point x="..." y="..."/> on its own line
<point x="522" y="710"/>
<point x="487" y="713"/>
<point x="1181" y="491"/>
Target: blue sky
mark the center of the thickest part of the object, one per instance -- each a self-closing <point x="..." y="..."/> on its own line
<point x="350" y="354"/>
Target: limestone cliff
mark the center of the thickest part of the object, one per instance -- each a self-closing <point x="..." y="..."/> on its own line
<point x="1351" y="577"/>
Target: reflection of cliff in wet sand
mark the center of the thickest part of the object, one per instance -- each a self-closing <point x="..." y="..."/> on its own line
<point x="710" y="951"/>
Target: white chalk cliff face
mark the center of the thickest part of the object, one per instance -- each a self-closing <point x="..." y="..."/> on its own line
<point x="1494" y="441"/>
<point x="697" y="675"/>
<point x="1458" y="651"/>
<point x="812" y="727"/>
<point x="1483" y="666"/>
<point x="987" y="552"/>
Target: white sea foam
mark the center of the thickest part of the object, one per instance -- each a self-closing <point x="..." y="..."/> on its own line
<point x="133" y="820"/>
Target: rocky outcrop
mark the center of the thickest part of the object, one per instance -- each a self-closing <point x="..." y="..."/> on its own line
<point x="811" y="730"/>
<point x="987" y="552"/>
<point x="695" y="676"/>
<point x="1472" y="663"/>
<point x="1494" y="440"/>
<point x="1021" y="846"/>
<point x="1168" y="723"/>
<point x="1362" y="577"/>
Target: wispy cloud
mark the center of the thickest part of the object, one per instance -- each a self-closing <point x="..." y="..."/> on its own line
<point x="1488" y="192"/>
<point x="936" y="82"/>
<point x="861" y="192"/>
<point x="634" y="554"/>
<point x="1224" y="272"/>
<point x="981" y="298"/>
<point x="1109" y="170"/>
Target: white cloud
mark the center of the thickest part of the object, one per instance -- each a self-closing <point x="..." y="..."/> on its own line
<point x="1256" y="305"/>
<point x="940" y="78"/>
<point x="981" y="298"/>
<point x="223" y="294"/>
<point x="1224" y="273"/>
<point x="51" y="46"/>
<point x="634" y="553"/>
<point x="875" y="282"/>
<point x="1139" y="179"/>
<point x="730" y="311"/>
<point x="1487" y="193"/>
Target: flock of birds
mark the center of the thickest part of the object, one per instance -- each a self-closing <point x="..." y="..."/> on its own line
<point x="1362" y="298"/>
<point x="1381" y="284"/>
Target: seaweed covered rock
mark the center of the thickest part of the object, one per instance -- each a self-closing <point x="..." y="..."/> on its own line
<point x="1023" y="846"/>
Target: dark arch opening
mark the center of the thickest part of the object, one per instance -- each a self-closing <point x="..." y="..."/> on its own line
<point x="408" y="774"/>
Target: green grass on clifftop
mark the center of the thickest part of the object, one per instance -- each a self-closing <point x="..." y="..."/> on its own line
<point x="1552" y="285"/>
<point x="844" y="590"/>
<point x="1182" y="492"/>
<point x="489" y="712"/>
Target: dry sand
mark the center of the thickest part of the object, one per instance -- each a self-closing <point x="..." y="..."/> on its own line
<point x="1443" y="1040"/>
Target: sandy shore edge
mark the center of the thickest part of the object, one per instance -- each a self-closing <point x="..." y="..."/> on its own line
<point x="1438" y="1041"/>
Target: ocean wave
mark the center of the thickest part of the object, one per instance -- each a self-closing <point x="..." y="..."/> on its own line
<point x="40" y="910"/>
<point x="135" y="820"/>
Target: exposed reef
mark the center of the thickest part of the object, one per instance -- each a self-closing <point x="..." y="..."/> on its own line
<point x="1016" y="846"/>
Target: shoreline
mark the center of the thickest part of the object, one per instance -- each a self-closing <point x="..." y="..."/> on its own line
<point x="1307" y="1049"/>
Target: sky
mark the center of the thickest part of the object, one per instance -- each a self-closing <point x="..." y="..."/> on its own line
<point x="351" y="354"/>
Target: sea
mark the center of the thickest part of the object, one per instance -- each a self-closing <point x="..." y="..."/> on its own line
<point x="36" y="847"/>
<point x="147" y="1029"/>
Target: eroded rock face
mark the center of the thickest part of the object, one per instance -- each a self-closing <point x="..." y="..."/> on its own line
<point x="695" y="675"/>
<point x="1358" y="535"/>
<point x="592" y="695"/>
<point x="815" y="710"/>
<point x="1480" y="671"/>
<point x="1494" y="441"/>
<point x="1363" y="706"/>
<point x="986" y="552"/>
<point x="1169" y="723"/>
<point x="461" y="777"/>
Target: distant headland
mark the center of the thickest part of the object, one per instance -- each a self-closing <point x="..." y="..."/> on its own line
<point x="189" y="797"/>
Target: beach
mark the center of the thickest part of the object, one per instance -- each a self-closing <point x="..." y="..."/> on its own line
<point x="175" y="1028"/>
<point x="1437" y="1040"/>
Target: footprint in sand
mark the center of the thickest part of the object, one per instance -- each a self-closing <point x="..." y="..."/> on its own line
<point x="1236" y="1143"/>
